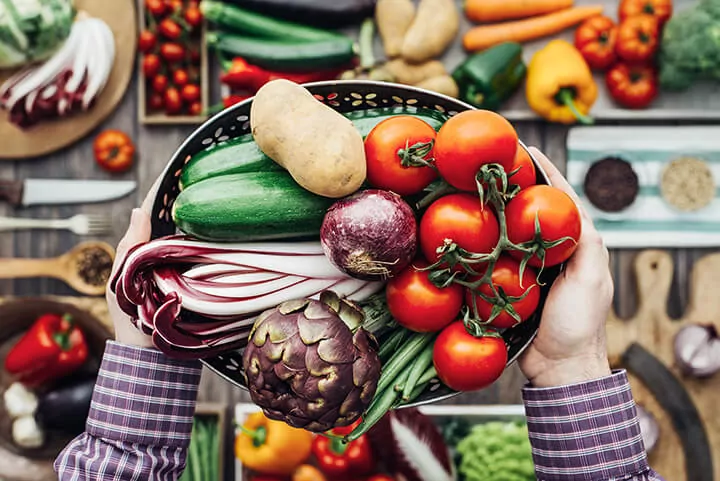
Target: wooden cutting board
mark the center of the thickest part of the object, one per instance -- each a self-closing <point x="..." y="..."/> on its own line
<point x="654" y="330"/>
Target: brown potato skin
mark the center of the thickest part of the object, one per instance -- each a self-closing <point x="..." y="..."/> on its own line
<point x="436" y="25"/>
<point x="393" y="19"/>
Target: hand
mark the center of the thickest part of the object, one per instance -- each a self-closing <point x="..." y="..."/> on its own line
<point x="138" y="232"/>
<point x="570" y="345"/>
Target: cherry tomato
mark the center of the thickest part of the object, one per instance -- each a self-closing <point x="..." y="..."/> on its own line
<point x="156" y="101"/>
<point x="195" y="55"/>
<point x="190" y="93"/>
<point x="173" y="102"/>
<point x="558" y="217"/>
<point x="168" y="28"/>
<point x="146" y="41"/>
<point x="506" y="279"/>
<point x="465" y="362"/>
<point x="174" y="5"/>
<point x="172" y="52"/>
<point x="462" y="219"/>
<point x="417" y="304"/>
<point x="114" y="150"/>
<point x="155" y="7"/>
<point x="180" y="78"/>
<point x="388" y="152"/>
<point x="160" y="83"/>
<point x="150" y="65"/>
<point x="193" y="16"/>
<point x="524" y="169"/>
<point x="638" y="39"/>
<point x="380" y="477"/>
<point x="660" y="9"/>
<point x="595" y="39"/>
<point x="470" y="140"/>
<point x="195" y="108"/>
<point x="632" y="86"/>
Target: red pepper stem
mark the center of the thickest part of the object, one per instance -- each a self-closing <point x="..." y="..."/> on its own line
<point x="62" y="337"/>
<point x="566" y="97"/>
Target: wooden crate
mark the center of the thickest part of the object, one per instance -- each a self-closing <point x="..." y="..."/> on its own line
<point x="159" y="118"/>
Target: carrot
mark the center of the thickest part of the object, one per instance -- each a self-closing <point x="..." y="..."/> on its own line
<point x="497" y="10"/>
<point x="486" y="36"/>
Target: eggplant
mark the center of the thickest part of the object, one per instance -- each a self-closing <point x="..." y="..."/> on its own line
<point x="66" y="408"/>
<point x="319" y="13"/>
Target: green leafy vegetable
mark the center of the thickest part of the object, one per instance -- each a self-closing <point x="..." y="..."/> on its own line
<point x="496" y="451"/>
<point x="203" y="454"/>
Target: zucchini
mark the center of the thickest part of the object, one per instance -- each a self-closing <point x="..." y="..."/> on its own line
<point x="249" y="207"/>
<point x="242" y="155"/>
<point x="285" y="55"/>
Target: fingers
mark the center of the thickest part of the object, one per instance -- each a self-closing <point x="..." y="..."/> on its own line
<point x="147" y="204"/>
<point x="138" y="232"/>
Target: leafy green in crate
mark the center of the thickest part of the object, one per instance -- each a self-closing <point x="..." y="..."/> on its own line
<point x="203" y="458"/>
<point x="496" y="451"/>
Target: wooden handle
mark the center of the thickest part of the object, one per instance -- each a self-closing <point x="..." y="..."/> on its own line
<point x="704" y="304"/>
<point x="23" y="268"/>
<point x="654" y="274"/>
<point x="11" y="191"/>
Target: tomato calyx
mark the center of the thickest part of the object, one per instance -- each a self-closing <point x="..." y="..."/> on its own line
<point x="537" y="246"/>
<point x="501" y="302"/>
<point x="414" y="155"/>
<point x="477" y="328"/>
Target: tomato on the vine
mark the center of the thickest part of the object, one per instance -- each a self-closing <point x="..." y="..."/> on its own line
<point x="155" y="7"/>
<point x="558" y="218"/>
<point x="190" y="93"/>
<point x="146" y="41"/>
<point x="170" y="29"/>
<point x="180" y="77"/>
<point x="470" y="140"/>
<point x="524" y="175"/>
<point x="467" y="363"/>
<point x="172" y="52"/>
<point x="507" y="281"/>
<point x="193" y="16"/>
<point x="160" y="83"/>
<point x="173" y="102"/>
<point x="417" y="304"/>
<point x="395" y="150"/>
<point x="462" y="219"/>
<point x="150" y="65"/>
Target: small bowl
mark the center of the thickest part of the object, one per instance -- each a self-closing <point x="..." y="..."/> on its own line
<point x="16" y="317"/>
<point x="343" y="96"/>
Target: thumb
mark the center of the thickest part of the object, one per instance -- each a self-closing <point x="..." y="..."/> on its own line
<point x="138" y="232"/>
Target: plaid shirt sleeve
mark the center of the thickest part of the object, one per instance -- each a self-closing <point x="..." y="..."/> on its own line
<point x="587" y="431"/>
<point x="140" y="419"/>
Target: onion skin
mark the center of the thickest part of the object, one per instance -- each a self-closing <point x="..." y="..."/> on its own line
<point x="370" y="235"/>
<point x="649" y="428"/>
<point x="697" y="350"/>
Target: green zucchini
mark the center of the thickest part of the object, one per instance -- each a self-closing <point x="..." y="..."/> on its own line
<point x="243" y="155"/>
<point x="249" y="207"/>
<point x="285" y="55"/>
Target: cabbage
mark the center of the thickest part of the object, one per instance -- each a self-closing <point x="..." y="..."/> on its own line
<point x="32" y="30"/>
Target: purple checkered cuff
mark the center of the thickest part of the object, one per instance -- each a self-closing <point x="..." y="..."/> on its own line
<point x="586" y="431"/>
<point x="144" y="397"/>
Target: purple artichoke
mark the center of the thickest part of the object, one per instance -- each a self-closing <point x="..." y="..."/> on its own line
<point x="309" y="364"/>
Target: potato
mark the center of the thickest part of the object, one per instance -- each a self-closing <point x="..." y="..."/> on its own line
<point x="411" y="74"/>
<point x="322" y="150"/>
<point x="435" y="27"/>
<point x="444" y="84"/>
<point x="393" y="19"/>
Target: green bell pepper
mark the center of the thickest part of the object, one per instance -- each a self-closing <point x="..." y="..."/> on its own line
<point x="488" y="78"/>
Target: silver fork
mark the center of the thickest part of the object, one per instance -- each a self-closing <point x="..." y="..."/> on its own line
<point x="80" y="224"/>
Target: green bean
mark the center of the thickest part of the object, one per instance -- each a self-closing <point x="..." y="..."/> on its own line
<point x="380" y="405"/>
<point x="402" y="358"/>
<point x="194" y="452"/>
<point x="391" y="344"/>
<point x="421" y="364"/>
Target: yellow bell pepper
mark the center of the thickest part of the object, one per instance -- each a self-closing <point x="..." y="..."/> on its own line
<point x="272" y="447"/>
<point x="560" y="86"/>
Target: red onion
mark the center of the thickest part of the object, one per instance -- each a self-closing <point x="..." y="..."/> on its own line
<point x="649" y="428"/>
<point x="371" y="235"/>
<point x="697" y="350"/>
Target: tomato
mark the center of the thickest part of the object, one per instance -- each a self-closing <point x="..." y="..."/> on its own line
<point x="558" y="216"/>
<point x="193" y="16"/>
<point x="525" y="174"/>
<point x="462" y="219"/>
<point x="146" y="41"/>
<point x="637" y="39"/>
<point x="195" y="55"/>
<point x="156" y="101"/>
<point x="417" y="304"/>
<point x="595" y="39"/>
<point x="307" y="472"/>
<point x="465" y="362"/>
<point x="631" y="86"/>
<point x="380" y="477"/>
<point x="114" y="151"/>
<point x="174" y="5"/>
<point x="180" y="77"/>
<point x="172" y="52"/>
<point x="168" y="28"/>
<point x="385" y="146"/>
<point x="506" y="279"/>
<point x="150" y="65"/>
<point x="155" y="7"/>
<point x="660" y="9"/>
<point x="195" y="108"/>
<point x="160" y="83"/>
<point x="470" y="140"/>
<point x="190" y="93"/>
<point x="173" y="102"/>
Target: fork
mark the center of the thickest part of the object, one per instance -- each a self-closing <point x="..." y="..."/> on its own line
<point x="80" y="224"/>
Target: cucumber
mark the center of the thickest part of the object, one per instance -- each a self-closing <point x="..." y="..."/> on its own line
<point x="249" y="207"/>
<point x="243" y="155"/>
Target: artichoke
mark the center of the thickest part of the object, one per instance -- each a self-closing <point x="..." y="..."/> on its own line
<point x="308" y="363"/>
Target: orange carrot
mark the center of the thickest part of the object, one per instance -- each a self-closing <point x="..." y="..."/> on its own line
<point x="498" y="10"/>
<point x="486" y="36"/>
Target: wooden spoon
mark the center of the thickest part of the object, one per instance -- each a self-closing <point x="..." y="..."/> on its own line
<point x="67" y="267"/>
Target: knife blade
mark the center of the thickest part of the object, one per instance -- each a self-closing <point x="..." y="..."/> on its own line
<point x="63" y="191"/>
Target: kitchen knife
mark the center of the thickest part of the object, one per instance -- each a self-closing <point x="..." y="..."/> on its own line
<point x="63" y="191"/>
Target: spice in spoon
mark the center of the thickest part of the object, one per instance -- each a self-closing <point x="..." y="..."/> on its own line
<point x="94" y="266"/>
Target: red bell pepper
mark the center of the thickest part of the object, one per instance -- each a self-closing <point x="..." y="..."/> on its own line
<point x="52" y="348"/>
<point x="241" y="75"/>
<point x="338" y="459"/>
